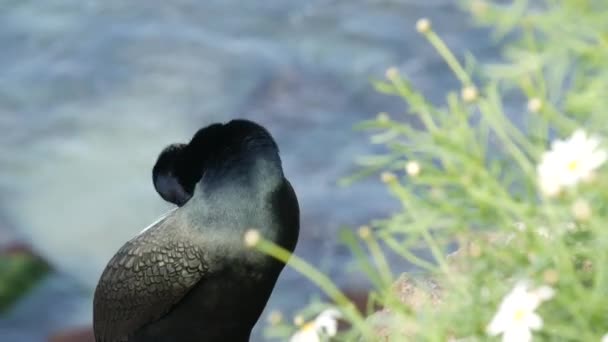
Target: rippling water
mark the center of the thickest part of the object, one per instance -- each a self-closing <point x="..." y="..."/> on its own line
<point x="91" y="91"/>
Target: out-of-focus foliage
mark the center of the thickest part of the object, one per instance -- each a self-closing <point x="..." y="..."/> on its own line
<point x="19" y="271"/>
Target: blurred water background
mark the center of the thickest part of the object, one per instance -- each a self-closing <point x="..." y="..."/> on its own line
<point x="91" y="91"/>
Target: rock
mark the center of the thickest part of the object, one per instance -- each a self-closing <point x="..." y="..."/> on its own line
<point x="419" y="291"/>
<point x="82" y="334"/>
<point x="414" y="293"/>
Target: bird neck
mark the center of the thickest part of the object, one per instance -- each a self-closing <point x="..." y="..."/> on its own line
<point x="245" y="176"/>
<point x="228" y="202"/>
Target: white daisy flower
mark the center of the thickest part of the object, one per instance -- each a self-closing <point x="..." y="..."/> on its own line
<point x="326" y="324"/>
<point x="568" y="162"/>
<point x="516" y="316"/>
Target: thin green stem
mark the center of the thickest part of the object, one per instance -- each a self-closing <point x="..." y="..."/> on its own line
<point x="319" y="279"/>
<point x="380" y="260"/>
<point x="406" y="201"/>
<point x="449" y="58"/>
<point x="407" y="255"/>
<point x="498" y="127"/>
<point x="416" y="101"/>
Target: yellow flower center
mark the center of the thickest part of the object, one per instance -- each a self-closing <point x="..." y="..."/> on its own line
<point x="308" y="326"/>
<point x="519" y="315"/>
<point x="573" y="165"/>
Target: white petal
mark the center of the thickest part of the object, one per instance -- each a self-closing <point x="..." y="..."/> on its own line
<point x="579" y="136"/>
<point x="534" y="321"/>
<point x="544" y="293"/>
<point x="599" y="158"/>
<point x="307" y="335"/>
<point x="497" y="325"/>
<point x="521" y="286"/>
<point x="327" y="322"/>
<point x="517" y="335"/>
<point x="605" y="338"/>
<point x="522" y="299"/>
<point x="550" y="187"/>
<point x="593" y="143"/>
<point x="557" y="144"/>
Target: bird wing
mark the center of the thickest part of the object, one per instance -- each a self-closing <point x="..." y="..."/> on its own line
<point x="143" y="281"/>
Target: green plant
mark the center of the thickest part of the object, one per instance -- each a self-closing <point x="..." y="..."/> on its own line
<point x="518" y="207"/>
<point x="19" y="272"/>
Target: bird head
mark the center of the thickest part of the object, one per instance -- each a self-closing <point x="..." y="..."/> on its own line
<point x="216" y="153"/>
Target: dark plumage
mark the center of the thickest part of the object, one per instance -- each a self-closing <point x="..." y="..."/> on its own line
<point x="189" y="276"/>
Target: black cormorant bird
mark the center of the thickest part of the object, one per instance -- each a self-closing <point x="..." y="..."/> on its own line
<point x="189" y="276"/>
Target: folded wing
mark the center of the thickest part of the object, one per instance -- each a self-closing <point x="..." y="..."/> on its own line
<point x="143" y="281"/>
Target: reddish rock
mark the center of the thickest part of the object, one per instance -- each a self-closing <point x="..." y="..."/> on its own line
<point x="414" y="292"/>
<point x="81" y="334"/>
<point x="17" y="248"/>
<point x="359" y="297"/>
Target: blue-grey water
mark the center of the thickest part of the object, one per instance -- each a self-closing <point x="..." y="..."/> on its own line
<point x="91" y="91"/>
